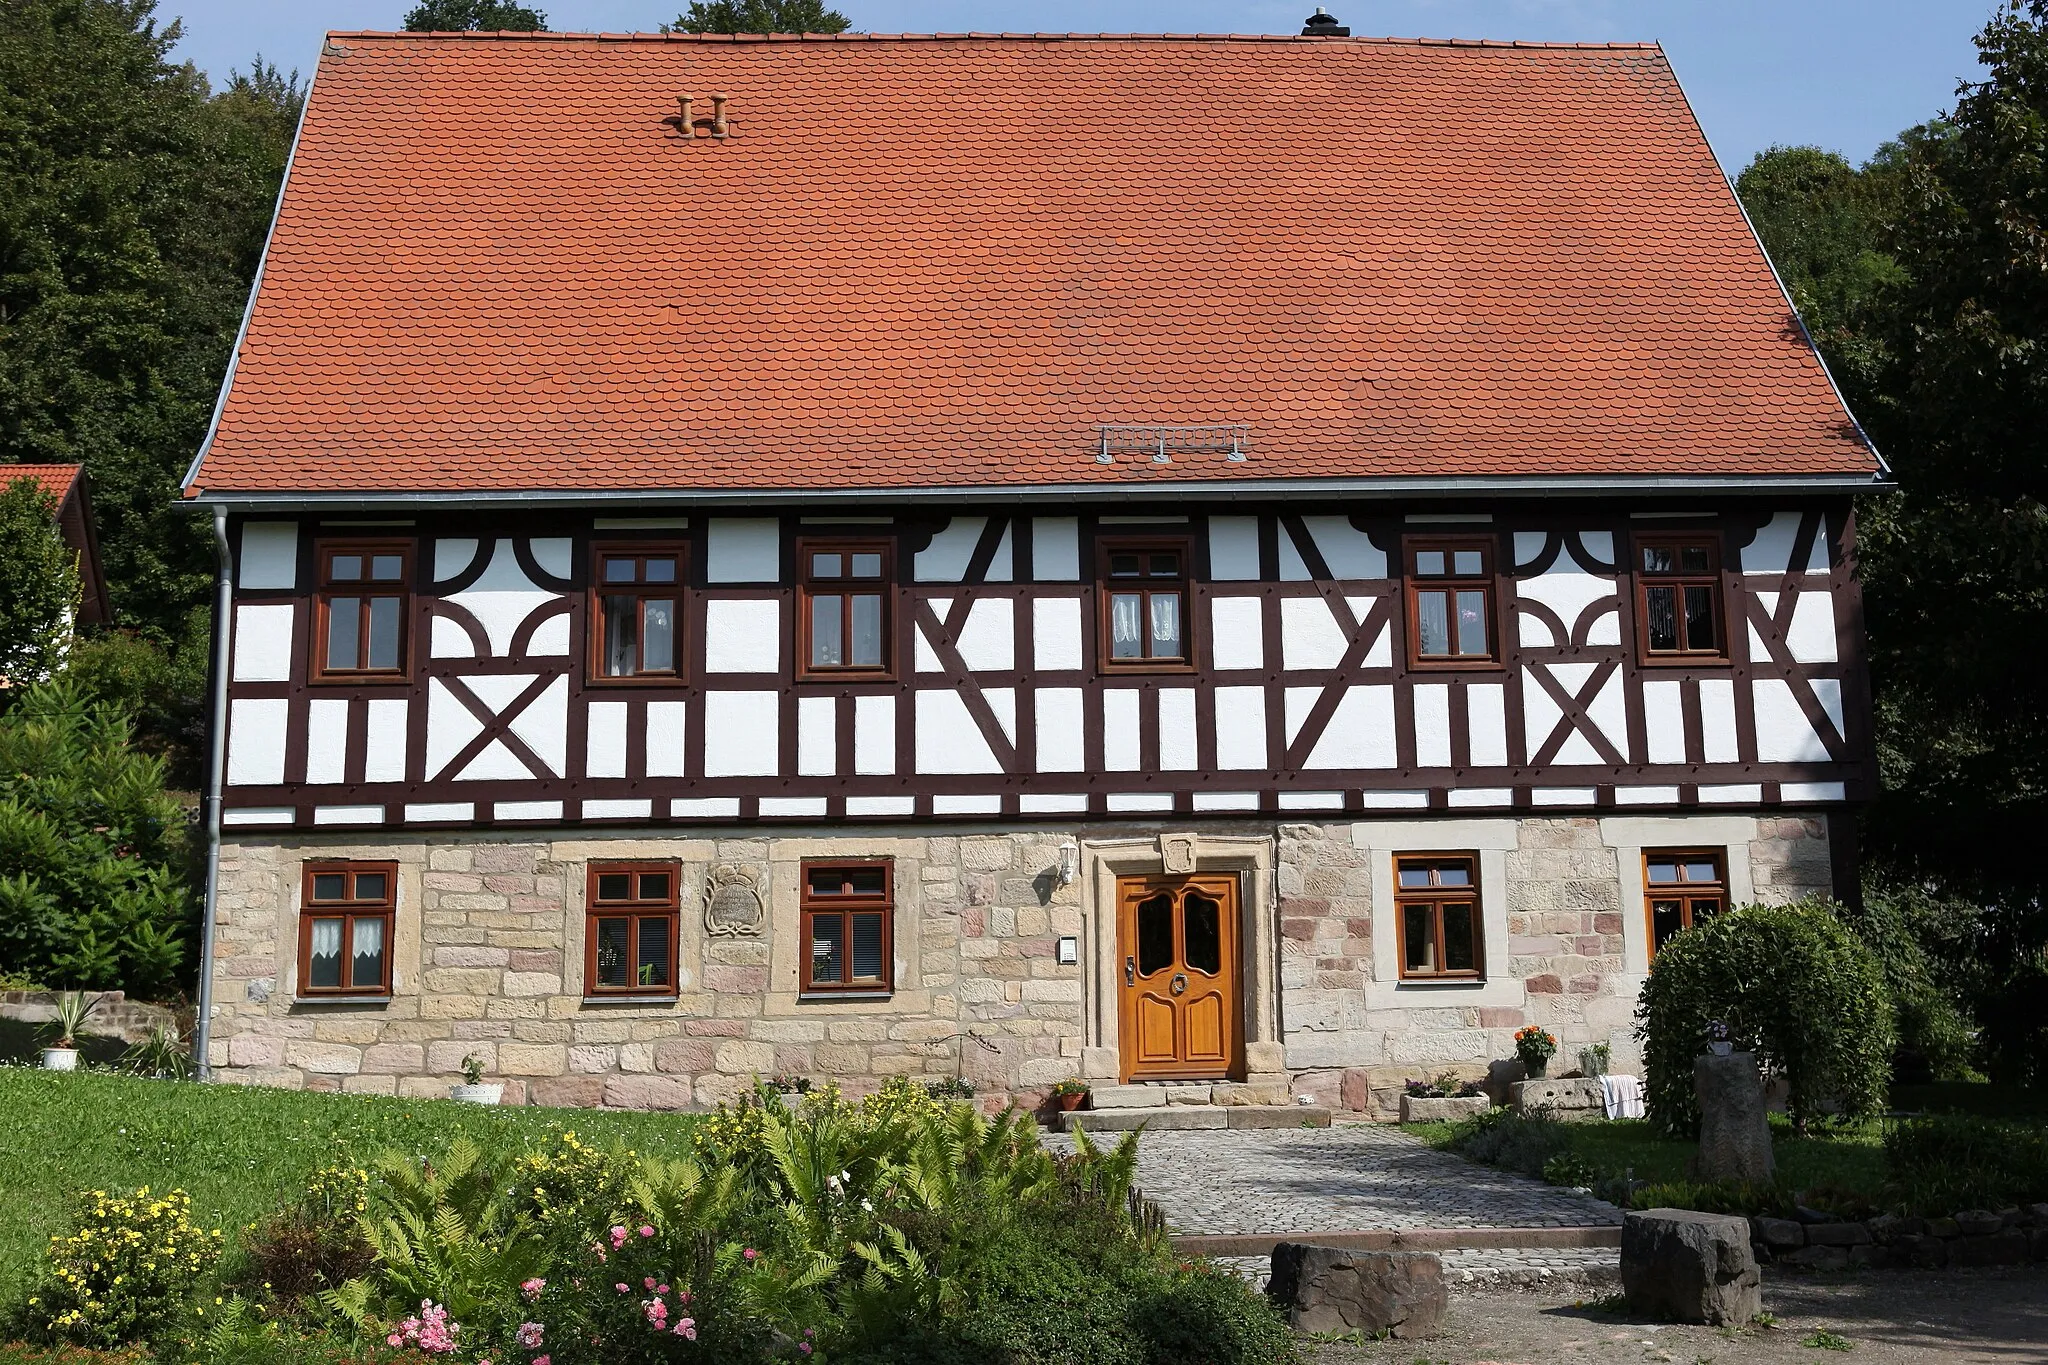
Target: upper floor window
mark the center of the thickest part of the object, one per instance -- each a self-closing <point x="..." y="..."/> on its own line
<point x="847" y="940"/>
<point x="1679" y="580"/>
<point x="1436" y="914"/>
<point x="362" y="610"/>
<point x="345" y="914"/>
<point x="843" y="609"/>
<point x="1450" y="601"/>
<point x="1680" y="890"/>
<point x="1145" y="588"/>
<point x="632" y="917"/>
<point x="638" y="591"/>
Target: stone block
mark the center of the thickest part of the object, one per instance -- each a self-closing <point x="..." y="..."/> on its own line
<point x="648" y="1092"/>
<point x="2000" y="1248"/>
<point x="1397" y="1294"/>
<point x="1127" y="1097"/>
<point x="737" y="1058"/>
<point x="1249" y="1092"/>
<point x="324" y="1059"/>
<point x="1779" y="1234"/>
<point x="251" y="1049"/>
<point x="683" y="1056"/>
<point x="1816" y="1258"/>
<point x="1735" y="1135"/>
<point x="1271" y="1116"/>
<point x="1690" y="1267"/>
<point x="1160" y="1120"/>
<point x="568" y="1092"/>
<point x="1838" y="1235"/>
<point x="1573" y="1101"/>
<point x="532" y="1059"/>
<point x="1446" y="1109"/>
<point x="1979" y="1223"/>
<point x="1920" y="1251"/>
<point x="394" y="1059"/>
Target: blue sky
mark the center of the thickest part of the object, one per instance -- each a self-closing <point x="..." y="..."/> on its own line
<point x="1843" y="74"/>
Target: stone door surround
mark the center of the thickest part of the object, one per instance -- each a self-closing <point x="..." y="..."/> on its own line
<point x="1252" y="859"/>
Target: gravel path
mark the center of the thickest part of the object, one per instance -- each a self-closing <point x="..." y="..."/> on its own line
<point x="1344" y="1178"/>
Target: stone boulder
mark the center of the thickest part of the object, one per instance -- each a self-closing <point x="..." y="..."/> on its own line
<point x="1689" y="1267"/>
<point x="1735" y="1135"/>
<point x="1330" y="1289"/>
<point x="1575" y="1099"/>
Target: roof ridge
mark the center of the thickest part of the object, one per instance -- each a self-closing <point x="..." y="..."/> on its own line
<point x="737" y="38"/>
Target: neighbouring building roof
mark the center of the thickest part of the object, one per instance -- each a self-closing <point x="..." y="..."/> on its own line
<point x="66" y="484"/>
<point x="946" y="261"/>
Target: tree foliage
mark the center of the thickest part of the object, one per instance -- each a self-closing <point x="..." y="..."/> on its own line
<point x="1924" y="279"/>
<point x="95" y="891"/>
<point x="1793" y="985"/>
<point x="38" y="585"/>
<point x="474" y="16"/>
<point x="134" y="203"/>
<point x="760" y="16"/>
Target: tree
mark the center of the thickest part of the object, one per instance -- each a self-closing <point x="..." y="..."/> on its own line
<point x="95" y="865"/>
<point x="759" y="16"/>
<point x="134" y="204"/>
<point x="38" y="584"/>
<point x="474" y="16"/>
<point x="1793" y="985"/>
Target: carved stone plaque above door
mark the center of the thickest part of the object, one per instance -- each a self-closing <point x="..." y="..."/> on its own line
<point x="1178" y="854"/>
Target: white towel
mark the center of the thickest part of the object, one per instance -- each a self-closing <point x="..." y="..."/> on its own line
<point x="1623" y="1096"/>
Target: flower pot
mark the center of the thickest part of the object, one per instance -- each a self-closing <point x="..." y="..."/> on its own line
<point x="791" y="1098"/>
<point x="60" y="1059"/>
<point x="476" y="1094"/>
<point x="1592" y="1063"/>
<point x="1537" y="1067"/>
<point x="1069" y="1103"/>
<point x="1721" y="1049"/>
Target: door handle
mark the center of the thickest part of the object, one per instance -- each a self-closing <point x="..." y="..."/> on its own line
<point x="1130" y="971"/>
<point x="1180" y="983"/>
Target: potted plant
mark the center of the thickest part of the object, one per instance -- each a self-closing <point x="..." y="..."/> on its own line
<point x="1718" y="1041"/>
<point x="791" y="1088"/>
<point x="473" y="1090"/>
<point x="1593" y="1061"/>
<point x="1070" y="1094"/>
<point x="1535" y="1046"/>
<point x="1442" y="1099"/>
<point x="70" y="1026"/>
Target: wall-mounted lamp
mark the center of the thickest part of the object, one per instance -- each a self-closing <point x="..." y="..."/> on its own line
<point x="1070" y="862"/>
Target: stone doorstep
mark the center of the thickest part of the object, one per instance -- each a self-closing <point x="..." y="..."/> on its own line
<point x="1187" y="1117"/>
<point x="1402" y="1239"/>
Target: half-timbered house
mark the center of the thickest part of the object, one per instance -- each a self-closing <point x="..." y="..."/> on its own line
<point x="1262" y="563"/>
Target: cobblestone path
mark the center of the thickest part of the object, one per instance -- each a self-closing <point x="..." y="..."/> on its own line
<point x="1351" y="1177"/>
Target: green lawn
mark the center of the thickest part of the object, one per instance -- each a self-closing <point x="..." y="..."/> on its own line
<point x="240" y="1153"/>
<point x="1849" y="1159"/>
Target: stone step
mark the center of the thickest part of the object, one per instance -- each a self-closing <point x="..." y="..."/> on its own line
<point x="1149" y="1096"/>
<point x="1187" y="1117"/>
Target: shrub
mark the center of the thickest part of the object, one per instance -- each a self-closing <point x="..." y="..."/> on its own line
<point x="1917" y="934"/>
<point x="97" y="892"/>
<point x="39" y="590"/>
<point x="1210" y="1315"/>
<point x="124" y="1271"/>
<point x="1793" y="985"/>
<point x="314" y="1246"/>
<point x="1948" y="1162"/>
<point x="1511" y="1140"/>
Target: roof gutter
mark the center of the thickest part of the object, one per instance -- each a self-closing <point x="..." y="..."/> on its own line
<point x="1452" y="488"/>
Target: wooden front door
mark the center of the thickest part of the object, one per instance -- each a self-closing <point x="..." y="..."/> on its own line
<point x="1178" y="952"/>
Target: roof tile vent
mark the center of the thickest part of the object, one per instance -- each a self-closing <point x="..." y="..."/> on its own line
<point x="1323" y="24"/>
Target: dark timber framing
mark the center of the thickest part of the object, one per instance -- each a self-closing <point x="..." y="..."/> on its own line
<point x="1527" y="539"/>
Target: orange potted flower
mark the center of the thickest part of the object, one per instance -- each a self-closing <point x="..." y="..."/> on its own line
<point x="1070" y="1094"/>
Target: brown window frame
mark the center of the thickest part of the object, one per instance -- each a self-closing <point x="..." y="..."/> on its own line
<point x="1105" y="615"/>
<point x="633" y="910"/>
<point x="1487" y="580"/>
<point x="1681" y="890"/>
<point x="678" y="550"/>
<point x="1436" y="897"/>
<point x="807" y="546"/>
<point x="1709" y="578"/>
<point x="348" y="910"/>
<point x="325" y="591"/>
<point x="811" y="906"/>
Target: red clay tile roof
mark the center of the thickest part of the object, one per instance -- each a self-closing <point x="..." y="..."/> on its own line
<point x="946" y="260"/>
<point x="55" y="479"/>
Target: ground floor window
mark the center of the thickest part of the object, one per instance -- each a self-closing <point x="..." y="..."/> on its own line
<point x="345" y="928"/>
<point x="1436" y="914"/>
<point x="1680" y="890"/>
<point x="847" y="940"/>
<point x="632" y="913"/>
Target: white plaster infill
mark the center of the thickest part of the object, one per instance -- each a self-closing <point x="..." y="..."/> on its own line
<point x="1492" y="840"/>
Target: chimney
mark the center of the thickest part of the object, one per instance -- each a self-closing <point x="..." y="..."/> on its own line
<point x="1323" y="24"/>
